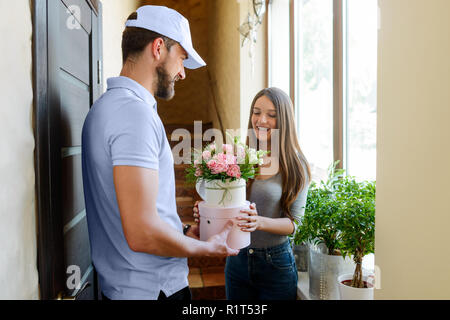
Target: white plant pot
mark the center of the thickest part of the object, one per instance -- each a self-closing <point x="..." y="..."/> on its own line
<point x="350" y="293"/>
<point x="222" y="194"/>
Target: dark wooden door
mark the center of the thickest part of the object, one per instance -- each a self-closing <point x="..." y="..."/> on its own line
<point x="68" y="80"/>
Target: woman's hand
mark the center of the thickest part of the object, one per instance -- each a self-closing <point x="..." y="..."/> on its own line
<point x="196" y="214"/>
<point x="194" y="230"/>
<point x="251" y="222"/>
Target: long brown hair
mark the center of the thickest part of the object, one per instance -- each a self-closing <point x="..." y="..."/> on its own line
<point x="294" y="167"/>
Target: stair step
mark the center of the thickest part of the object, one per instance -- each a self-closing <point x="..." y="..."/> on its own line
<point x="209" y="293"/>
<point x="207" y="283"/>
<point x="216" y="270"/>
<point x="186" y="212"/>
<point x="195" y="278"/>
<point x="180" y="172"/>
<point x="183" y="191"/>
<point x="183" y="200"/>
<point x="206" y="262"/>
<point x="188" y="220"/>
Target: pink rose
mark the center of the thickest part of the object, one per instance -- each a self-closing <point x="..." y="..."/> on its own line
<point x="216" y="167"/>
<point x="231" y="159"/>
<point x="211" y="147"/>
<point x="234" y="171"/>
<point x="227" y="148"/>
<point x="206" y="155"/>
<point x="221" y="157"/>
<point x="227" y="159"/>
<point x="198" y="172"/>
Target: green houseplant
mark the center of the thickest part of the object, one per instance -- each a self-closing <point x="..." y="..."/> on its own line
<point x="319" y="228"/>
<point x="319" y="223"/>
<point x="356" y="223"/>
<point x="340" y="215"/>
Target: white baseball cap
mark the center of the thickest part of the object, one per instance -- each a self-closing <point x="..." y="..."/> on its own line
<point x="171" y="24"/>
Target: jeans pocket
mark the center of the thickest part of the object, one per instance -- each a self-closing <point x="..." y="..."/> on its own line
<point x="282" y="260"/>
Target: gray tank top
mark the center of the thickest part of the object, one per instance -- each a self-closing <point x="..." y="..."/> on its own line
<point x="266" y="194"/>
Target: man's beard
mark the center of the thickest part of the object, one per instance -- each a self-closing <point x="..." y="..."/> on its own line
<point x="165" y="86"/>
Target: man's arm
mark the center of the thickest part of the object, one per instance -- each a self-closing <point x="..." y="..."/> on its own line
<point x="136" y="191"/>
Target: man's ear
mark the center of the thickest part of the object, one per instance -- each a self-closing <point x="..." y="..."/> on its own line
<point x="157" y="48"/>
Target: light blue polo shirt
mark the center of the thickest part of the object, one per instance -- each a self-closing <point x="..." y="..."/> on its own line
<point x="123" y="129"/>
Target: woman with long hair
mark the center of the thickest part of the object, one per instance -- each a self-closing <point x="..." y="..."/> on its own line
<point x="266" y="269"/>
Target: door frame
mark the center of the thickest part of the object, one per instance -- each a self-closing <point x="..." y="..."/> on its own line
<point x="49" y="224"/>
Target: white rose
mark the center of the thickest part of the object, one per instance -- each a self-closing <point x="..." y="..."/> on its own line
<point x="252" y="157"/>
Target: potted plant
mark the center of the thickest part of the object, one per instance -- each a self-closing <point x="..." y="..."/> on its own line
<point x="319" y="228"/>
<point x="357" y="234"/>
<point x="300" y="249"/>
<point x="301" y="253"/>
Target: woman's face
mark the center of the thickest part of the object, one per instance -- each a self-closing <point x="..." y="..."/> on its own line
<point x="264" y="118"/>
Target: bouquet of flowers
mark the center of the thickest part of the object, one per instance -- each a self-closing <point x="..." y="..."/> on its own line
<point x="220" y="174"/>
<point x="228" y="162"/>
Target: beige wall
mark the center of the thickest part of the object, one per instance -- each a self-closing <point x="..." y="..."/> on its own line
<point x="18" y="251"/>
<point x="115" y="14"/>
<point x="413" y="212"/>
<point x="224" y="60"/>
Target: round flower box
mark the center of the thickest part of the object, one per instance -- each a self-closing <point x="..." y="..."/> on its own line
<point x="214" y="218"/>
<point x="223" y="194"/>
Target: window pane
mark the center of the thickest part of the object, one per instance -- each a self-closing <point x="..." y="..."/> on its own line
<point x="279" y="54"/>
<point x="362" y="20"/>
<point x="315" y="83"/>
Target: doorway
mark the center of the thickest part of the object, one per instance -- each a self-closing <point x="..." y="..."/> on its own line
<point x="67" y="58"/>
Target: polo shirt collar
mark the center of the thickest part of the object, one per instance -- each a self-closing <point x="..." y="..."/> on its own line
<point x="135" y="87"/>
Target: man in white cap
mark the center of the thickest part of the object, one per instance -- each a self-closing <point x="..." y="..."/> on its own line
<point x="138" y="243"/>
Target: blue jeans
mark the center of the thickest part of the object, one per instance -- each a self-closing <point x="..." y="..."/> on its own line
<point x="262" y="274"/>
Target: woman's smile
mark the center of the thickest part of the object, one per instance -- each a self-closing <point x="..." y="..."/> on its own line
<point x="264" y="118"/>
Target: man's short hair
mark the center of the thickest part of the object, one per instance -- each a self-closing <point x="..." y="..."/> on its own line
<point x="134" y="40"/>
